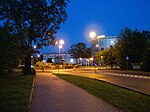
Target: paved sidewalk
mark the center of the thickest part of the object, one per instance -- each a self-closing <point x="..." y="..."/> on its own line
<point x="52" y="94"/>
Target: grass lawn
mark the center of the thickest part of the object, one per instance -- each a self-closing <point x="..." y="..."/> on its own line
<point x="15" y="93"/>
<point x="126" y="100"/>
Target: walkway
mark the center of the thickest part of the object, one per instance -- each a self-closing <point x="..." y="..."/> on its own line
<point x="52" y="94"/>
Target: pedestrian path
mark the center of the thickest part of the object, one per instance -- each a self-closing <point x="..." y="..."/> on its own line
<point x="126" y="75"/>
<point x="52" y="94"/>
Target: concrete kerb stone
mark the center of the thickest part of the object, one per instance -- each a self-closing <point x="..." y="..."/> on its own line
<point x="31" y="94"/>
<point x="124" y="87"/>
<point x="121" y="86"/>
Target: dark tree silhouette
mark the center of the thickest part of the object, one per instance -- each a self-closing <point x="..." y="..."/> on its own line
<point x="80" y="50"/>
<point x="34" y="21"/>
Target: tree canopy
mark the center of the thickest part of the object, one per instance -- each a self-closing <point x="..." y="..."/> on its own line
<point x="80" y="50"/>
<point x="132" y="44"/>
<point x="34" y="21"/>
<point x="36" y="18"/>
<point x="10" y="49"/>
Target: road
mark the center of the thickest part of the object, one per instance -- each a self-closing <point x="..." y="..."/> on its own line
<point x="138" y="81"/>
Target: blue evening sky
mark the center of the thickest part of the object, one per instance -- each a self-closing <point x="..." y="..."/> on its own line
<point x="106" y="17"/>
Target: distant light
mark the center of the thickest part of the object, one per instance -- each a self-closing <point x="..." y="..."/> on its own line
<point x="38" y="55"/>
<point x="80" y="58"/>
<point x="102" y="57"/>
<point x="61" y="42"/>
<point x="92" y="34"/>
<point x="71" y="60"/>
<point x="34" y="47"/>
<point x="91" y="58"/>
<point x="31" y="66"/>
<point x="97" y="45"/>
<point x="31" y="56"/>
<point x="56" y="42"/>
<point x="112" y="42"/>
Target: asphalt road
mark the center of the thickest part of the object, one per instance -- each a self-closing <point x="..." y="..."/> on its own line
<point x="138" y="81"/>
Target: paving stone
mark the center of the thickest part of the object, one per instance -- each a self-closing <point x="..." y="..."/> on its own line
<point x="52" y="94"/>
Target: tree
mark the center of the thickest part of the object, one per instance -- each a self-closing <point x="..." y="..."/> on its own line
<point x="131" y="44"/>
<point x="146" y="57"/>
<point x="10" y="49"/>
<point x="33" y="20"/>
<point x="106" y="57"/>
<point x="80" y="50"/>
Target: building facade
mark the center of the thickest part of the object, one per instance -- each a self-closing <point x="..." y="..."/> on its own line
<point x="58" y="57"/>
<point x="102" y="42"/>
<point x="67" y="58"/>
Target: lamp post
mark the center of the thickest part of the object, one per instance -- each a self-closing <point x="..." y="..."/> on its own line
<point x="92" y="35"/>
<point x="60" y="46"/>
<point x="61" y="43"/>
<point x="43" y="54"/>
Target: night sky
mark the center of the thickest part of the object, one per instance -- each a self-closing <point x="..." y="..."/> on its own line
<point x="106" y="17"/>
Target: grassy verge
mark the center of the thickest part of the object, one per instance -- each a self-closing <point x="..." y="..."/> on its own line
<point x="15" y="93"/>
<point x="126" y="100"/>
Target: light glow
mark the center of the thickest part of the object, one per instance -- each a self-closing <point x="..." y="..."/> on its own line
<point x="61" y="42"/>
<point x="91" y="58"/>
<point x="71" y="60"/>
<point x="56" y="42"/>
<point x="92" y="34"/>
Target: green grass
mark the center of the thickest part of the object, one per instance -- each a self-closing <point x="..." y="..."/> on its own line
<point x="126" y="100"/>
<point x="15" y="93"/>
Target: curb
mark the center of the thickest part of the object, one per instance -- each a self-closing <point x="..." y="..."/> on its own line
<point x="124" y="87"/>
<point x="31" y="94"/>
<point x="121" y="86"/>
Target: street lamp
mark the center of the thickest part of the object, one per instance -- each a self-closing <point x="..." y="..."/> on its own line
<point x="92" y="35"/>
<point x="60" y="46"/>
<point x="61" y="42"/>
<point x="43" y="54"/>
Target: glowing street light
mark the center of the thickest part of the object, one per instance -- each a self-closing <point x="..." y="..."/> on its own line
<point x="92" y="34"/>
<point x="97" y="45"/>
<point x="80" y="58"/>
<point x="38" y="55"/>
<point x="61" y="42"/>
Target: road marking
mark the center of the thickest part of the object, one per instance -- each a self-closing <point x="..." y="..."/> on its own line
<point x="125" y="75"/>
